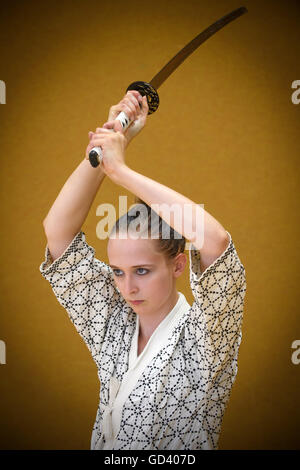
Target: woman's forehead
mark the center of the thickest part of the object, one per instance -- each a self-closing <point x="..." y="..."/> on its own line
<point x="133" y="252"/>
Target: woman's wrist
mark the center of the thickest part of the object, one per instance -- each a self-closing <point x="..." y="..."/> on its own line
<point x="120" y="174"/>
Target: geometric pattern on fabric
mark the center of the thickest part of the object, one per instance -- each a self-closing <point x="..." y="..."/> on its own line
<point x="179" y="401"/>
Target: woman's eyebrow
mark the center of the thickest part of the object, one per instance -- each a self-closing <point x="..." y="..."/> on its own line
<point x="137" y="266"/>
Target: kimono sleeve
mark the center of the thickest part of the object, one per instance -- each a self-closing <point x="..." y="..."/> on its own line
<point x="84" y="286"/>
<point x="217" y="312"/>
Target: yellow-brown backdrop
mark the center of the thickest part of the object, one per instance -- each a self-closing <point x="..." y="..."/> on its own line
<point x="226" y="135"/>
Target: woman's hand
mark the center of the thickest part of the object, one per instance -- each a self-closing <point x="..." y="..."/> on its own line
<point x="136" y="108"/>
<point x="113" y="146"/>
<point x="111" y="137"/>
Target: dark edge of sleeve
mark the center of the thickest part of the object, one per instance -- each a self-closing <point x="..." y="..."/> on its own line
<point x="79" y="237"/>
<point x="195" y="256"/>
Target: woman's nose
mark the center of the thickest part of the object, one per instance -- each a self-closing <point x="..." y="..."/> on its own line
<point x="130" y="286"/>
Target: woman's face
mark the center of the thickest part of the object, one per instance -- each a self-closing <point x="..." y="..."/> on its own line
<point x="142" y="273"/>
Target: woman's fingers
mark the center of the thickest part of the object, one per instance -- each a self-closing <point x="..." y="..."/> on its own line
<point x="103" y="137"/>
<point x="93" y="144"/>
<point x="108" y="125"/>
<point x="105" y="141"/>
<point x="135" y="94"/>
<point x="131" y="104"/>
<point x="145" y="105"/>
<point x="96" y="139"/>
<point x="129" y="109"/>
<point x="117" y="126"/>
<point x="113" y="125"/>
<point x="134" y="100"/>
<point x="102" y="130"/>
<point x="140" y="104"/>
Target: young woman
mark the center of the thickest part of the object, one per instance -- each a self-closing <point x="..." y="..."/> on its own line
<point x="166" y="368"/>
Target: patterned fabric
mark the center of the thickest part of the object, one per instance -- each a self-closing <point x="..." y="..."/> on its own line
<point x="179" y="400"/>
<point x="137" y="364"/>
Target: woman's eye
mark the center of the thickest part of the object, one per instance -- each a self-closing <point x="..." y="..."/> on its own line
<point x="114" y="271"/>
<point x="143" y="269"/>
<point x="117" y="271"/>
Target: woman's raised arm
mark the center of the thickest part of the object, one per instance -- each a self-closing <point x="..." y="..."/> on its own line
<point x="182" y="214"/>
<point x="70" y="209"/>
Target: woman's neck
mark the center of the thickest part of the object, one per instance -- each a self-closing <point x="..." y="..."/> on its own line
<point x="149" y="323"/>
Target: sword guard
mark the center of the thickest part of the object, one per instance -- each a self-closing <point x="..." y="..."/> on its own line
<point x="145" y="89"/>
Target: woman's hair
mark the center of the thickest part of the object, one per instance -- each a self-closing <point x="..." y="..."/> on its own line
<point x="143" y="217"/>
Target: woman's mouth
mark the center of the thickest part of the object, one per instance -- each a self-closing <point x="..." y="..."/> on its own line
<point x="136" y="302"/>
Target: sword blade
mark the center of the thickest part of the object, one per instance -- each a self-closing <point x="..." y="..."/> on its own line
<point x="166" y="71"/>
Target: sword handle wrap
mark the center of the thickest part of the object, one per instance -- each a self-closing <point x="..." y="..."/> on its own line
<point x="144" y="88"/>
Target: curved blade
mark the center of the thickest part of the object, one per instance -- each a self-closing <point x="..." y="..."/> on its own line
<point x="161" y="76"/>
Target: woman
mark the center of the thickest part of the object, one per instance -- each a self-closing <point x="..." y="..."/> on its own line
<point x="166" y="368"/>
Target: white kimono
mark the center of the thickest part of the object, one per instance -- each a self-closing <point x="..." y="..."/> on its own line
<point x="173" y="396"/>
<point x="120" y="392"/>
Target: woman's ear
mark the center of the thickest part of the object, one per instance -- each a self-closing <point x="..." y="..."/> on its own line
<point x="179" y="264"/>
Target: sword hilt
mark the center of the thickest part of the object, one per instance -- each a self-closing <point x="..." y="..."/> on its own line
<point x="145" y="89"/>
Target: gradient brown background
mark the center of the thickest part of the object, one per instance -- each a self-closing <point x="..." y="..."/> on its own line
<point x="226" y="135"/>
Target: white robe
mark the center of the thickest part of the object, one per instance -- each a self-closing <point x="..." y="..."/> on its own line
<point x="120" y="392"/>
<point x="174" y="396"/>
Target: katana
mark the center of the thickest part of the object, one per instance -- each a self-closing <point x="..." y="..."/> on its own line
<point x="150" y="89"/>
